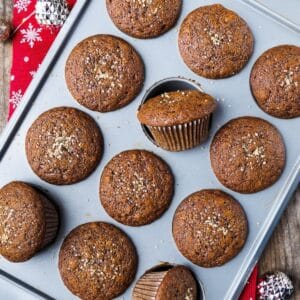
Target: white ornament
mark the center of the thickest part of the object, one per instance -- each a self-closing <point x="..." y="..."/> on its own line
<point x="51" y="12"/>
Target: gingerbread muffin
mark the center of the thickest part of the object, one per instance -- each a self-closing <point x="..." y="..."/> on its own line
<point x="166" y="282"/>
<point x="247" y="154"/>
<point x="136" y="187"/>
<point x="178" y="120"/>
<point x="210" y="228"/>
<point x="64" y="145"/>
<point x="104" y="73"/>
<point x="28" y="221"/>
<point x="97" y="261"/>
<point x="275" y="81"/>
<point x="215" y="42"/>
<point x="144" y="18"/>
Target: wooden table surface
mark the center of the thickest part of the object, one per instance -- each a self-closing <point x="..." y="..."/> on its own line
<point x="283" y="250"/>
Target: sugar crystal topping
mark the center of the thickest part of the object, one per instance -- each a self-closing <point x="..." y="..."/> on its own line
<point x="97" y="262"/>
<point x="253" y="150"/>
<point x="288" y="80"/>
<point x="62" y="144"/>
<point x="217" y="38"/>
<point x="103" y="72"/>
<point x="189" y="294"/>
<point x="143" y="3"/>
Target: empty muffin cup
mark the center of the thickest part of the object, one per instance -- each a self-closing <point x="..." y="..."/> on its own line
<point x="167" y="281"/>
<point x="176" y="114"/>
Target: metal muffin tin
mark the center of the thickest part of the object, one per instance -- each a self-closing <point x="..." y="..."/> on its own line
<point x="79" y="203"/>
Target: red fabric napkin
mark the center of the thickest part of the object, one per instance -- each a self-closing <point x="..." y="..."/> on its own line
<point x="30" y="45"/>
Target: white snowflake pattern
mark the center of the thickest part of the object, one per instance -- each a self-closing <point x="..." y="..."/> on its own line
<point x="16" y="98"/>
<point x="31" y="35"/>
<point x="33" y="73"/>
<point x="22" y="5"/>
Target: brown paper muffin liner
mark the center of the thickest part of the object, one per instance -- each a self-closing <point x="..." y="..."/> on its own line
<point x="181" y="137"/>
<point x="147" y="286"/>
<point x="51" y="221"/>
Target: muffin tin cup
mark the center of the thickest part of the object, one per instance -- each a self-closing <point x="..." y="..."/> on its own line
<point x="51" y="221"/>
<point x="147" y="286"/>
<point x="182" y="136"/>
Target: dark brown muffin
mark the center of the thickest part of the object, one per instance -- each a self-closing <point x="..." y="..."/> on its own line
<point x="166" y="282"/>
<point x="175" y="108"/>
<point x="64" y="145"/>
<point x="209" y="228"/>
<point x="247" y="154"/>
<point x="215" y="42"/>
<point x="275" y="81"/>
<point x="144" y="18"/>
<point x="104" y="73"/>
<point x="178" y="120"/>
<point x="97" y="261"/>
<point x="136" y="187"/>
<point x="28" y="221"/>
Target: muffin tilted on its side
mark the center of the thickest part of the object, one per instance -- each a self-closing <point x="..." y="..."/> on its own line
<point x="247" y="154"/>
<point x="144" y="18"/>
<point x="178" y="120"/>
<point x="64" y="145"/>
<point x="28" y="221"/>
<point x="215" y="42"/>
<point x="136" y="187"/>
<point x="97" y="261"/>
<point x="210" y="228"/>
<point x="275" y="81"/>
<point x="166" y="282"/>
<point x="104" y="73"/>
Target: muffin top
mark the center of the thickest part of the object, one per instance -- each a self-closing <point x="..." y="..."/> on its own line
<point x="275" y="81"/>
<point x="215" y="42"/>
<point x="136" y="187"/>
<point x="97" y="261"/>
<point x="144" y="18"/>
<point x="247" y="154"/>
<point x="209" y="228"/>
<point x="104" y="73"/>
<point x="22" y="222"/>
<point x="64" y="145"/>
<point x="176" y="108"/>
<point x="167" y="282"/>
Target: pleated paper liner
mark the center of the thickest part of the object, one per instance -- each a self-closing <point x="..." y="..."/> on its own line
<point x="147" y="286"/>
<point x="181" y="137"/>
<point x="51" y="221"/>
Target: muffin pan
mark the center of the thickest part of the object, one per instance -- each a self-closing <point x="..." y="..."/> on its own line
<point x="79" y="203"/>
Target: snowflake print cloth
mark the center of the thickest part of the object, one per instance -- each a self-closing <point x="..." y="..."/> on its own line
<point x="16" y="98"/>
<point x="31" y="35"/>
<point x="30" y="45"/>
<point x="22" y="5"/>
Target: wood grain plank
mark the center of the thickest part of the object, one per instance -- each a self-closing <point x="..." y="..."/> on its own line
<point x="5" y="64"/>
<point x="283" y="250"/>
